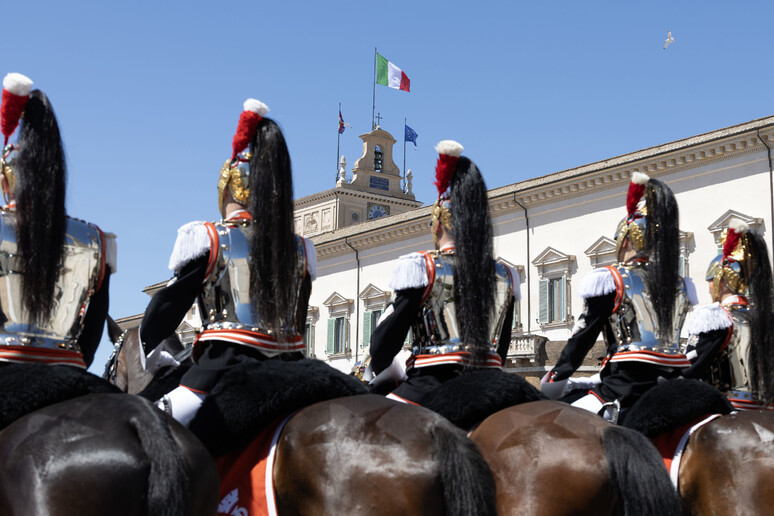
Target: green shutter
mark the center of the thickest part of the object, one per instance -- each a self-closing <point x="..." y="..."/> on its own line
<point x="366" y="329"/>
<point x="543" y="298"/>
<point x="331" y="336"/>
<point x="562" y="315"/>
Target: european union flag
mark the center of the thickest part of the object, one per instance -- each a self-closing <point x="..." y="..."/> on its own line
<point x="411" y="135"/>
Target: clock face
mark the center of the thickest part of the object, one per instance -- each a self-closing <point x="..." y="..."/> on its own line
<point x="376" y="210"/>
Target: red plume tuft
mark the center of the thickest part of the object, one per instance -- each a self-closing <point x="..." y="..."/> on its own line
<point x="248" y="122"/>
<point x="732" y="240"/>
<point x="444" y="170"/>
<point x="10" y="113"/>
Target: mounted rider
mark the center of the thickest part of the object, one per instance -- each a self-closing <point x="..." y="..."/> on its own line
<point x="456" y="300"/>
<point x="731" y="341"/>
<point x="639" y="305"/>
<point x="54" y="270"/>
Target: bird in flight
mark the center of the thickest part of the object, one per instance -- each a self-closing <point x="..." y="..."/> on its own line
<point x="669" y="39"/>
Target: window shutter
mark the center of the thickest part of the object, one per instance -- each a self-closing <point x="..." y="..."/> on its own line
<point x="345" y="344"/>
<point x="543" y="298"/>
<point x="331" y="336"/>
<point x="366" y="329"/>
<point x="562" y="294"/>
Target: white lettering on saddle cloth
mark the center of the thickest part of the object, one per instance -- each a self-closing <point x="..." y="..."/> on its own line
<point x="229" y="502"/>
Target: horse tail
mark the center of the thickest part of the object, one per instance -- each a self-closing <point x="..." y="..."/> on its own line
<point x="637" y="475"/>
<point x="468" y="485"/>
<point x="168" y="478"/>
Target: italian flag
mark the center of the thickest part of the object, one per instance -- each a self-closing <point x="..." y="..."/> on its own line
<point x="387" y="74"/>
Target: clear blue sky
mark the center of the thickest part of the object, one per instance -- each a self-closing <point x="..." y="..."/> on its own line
<point x="148" y="94"/>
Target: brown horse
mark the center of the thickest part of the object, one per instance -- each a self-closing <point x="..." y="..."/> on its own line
<point x="728" y="466"/>
<point x="362" y="454"/>
<point x="549" y="458"/>
<point x="104" y="454"/>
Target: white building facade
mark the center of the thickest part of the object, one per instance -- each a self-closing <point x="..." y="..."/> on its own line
<point x="553" y="229"/>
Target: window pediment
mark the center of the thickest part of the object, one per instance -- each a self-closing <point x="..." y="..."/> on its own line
<point x="721" y="223"/>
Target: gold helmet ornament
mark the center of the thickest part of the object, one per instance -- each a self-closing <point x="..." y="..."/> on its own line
<point x="634" y="225"/>
<point x="729" y="265"/>
<point x="235" y="173"/>
<point x="449" y="153"/>
<point x="16" y="92"/>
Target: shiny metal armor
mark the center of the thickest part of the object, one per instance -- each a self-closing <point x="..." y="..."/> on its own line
<point x="437" y="330"/>
<point x="76" y="283"/>
<point x="635" y="324"/>
<point x="729" y="369"/>
<point x="225" y="298"/>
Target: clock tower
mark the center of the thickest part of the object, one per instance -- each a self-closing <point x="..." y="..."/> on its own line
<point x="376" y="190"/>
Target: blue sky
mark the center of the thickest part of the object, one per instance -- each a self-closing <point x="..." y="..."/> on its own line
<point x="148" y="94"/>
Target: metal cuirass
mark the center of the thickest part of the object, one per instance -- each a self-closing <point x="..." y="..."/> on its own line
<point x="77" y="281"/>
<point x="729" y="369"/>
<point x="436" y="330"/>
<point x="635" y="325"/>
<point x="225" y="297"/>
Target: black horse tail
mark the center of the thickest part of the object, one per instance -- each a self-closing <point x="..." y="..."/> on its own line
<point x="638" y="475"/>
<point x="468" y="485"/>
<point x="168" y="486"/>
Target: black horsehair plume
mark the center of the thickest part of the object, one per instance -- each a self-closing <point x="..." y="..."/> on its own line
<point x="40" y="205"/>
<point x="663" y="246"/>
<point x="757" y="270"/>
<point x="474" y="269"/>
<point x="273" y="250"/>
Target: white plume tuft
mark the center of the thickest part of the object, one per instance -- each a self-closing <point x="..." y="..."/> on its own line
<point x="739" y="226"/>
<point x="17" y="84"/>
<point x="449" y="148"/>
<point x="639" y="178"/>
<point x="256" y="106"/>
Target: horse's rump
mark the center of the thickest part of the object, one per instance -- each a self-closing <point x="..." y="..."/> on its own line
<point x="370" y="455"/>
<point x="728" y="466"/>
<point x="104" y="454"/>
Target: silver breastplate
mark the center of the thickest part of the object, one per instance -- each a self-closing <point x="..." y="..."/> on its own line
<point x="729" y="370"/>
<point x="225" y="298"/>
<point x="437" y="330"/>
<point x="635" y="323"/>
<point x="76" y="283"/>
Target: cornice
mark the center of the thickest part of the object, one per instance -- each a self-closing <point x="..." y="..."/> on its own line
<point x="615" y="172"/>
<point x="333" y="193"/>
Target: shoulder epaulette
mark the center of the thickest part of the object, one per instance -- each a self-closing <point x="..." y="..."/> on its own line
<point x="598" y="282"/>
<point x="111" y="252"/>
<point x="411" y="272"/>
<point x="709" y="318"/>
<point x="193" y="241"/>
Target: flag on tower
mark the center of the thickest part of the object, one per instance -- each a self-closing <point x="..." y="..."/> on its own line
<point x="342" y="123"/>
<point x="411" y="135"/>
<point x="387" y="74"/>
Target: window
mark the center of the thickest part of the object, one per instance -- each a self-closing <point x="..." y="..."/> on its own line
<point x="309" y="339"/>
<point x="554" y="268"/>
<point x="338" y="330"/>
<point x="370" y="320"/>
<point x="552" y="305"/>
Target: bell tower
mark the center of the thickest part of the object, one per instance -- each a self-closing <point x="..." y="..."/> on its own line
<point x="375" y="190"/>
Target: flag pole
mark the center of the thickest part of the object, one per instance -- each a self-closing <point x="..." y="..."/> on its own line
<point x="373" y="103"/>
<point x="404" y="154"/>
<point x="338" y="145"/>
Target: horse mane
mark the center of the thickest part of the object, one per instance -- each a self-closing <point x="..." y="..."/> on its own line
<point x="40" y="205"/>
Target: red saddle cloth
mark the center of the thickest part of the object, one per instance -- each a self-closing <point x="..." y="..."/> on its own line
<point x="671" y="444"/>
<point x="246" y="481"/>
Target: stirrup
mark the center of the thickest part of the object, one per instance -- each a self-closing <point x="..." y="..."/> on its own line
<point x="615" y="410"/>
